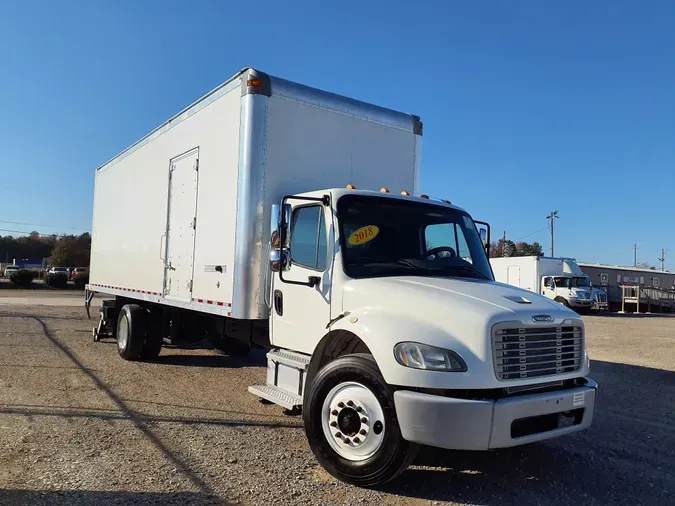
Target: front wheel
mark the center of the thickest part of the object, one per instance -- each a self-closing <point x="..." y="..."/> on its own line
<point x="563" y="301"/>
<point x="351" y="425"/>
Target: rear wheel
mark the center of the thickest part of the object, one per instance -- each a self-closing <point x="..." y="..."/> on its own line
<point x="131" y="330"/>
<point x="351" y="425"/>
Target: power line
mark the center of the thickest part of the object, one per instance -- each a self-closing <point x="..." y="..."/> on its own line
<point x="44" y="226"/>
<point x="28" y="233"/>
<point x="14" y="231"/>
<point x="531" y="233"/>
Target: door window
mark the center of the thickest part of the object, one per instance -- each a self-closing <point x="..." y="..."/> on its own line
<point x="308" y="238"/>
<point x="448" y="236"/>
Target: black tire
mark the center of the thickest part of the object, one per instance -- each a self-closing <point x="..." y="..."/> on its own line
<point x="153" y="338"/>
<point x="395" y="453"/>
<point x="136" y="319"/>
<point x="563" y="301"/>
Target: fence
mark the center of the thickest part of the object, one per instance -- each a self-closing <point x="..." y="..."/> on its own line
<point x="659" y="298"/>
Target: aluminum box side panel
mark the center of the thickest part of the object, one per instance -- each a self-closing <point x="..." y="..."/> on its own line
<point x="309" y="147"/>
<point x="528" y="277"/>
<point x="130" y="202"/>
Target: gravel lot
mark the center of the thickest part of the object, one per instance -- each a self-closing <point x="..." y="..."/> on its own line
<point x="78" y="425"/>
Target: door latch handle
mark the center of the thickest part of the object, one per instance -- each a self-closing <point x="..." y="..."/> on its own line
<point x="279" y="302"/>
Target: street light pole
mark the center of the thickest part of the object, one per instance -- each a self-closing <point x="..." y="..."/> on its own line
<point x="551" y="217"/>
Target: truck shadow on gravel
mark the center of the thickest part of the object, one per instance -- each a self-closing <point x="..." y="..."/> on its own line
<point x="256" y="358"/>
<point x="626" y="457"/>
<point x="69" y="498"/>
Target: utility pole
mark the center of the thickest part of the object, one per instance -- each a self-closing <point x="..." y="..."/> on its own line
<point x="635" y="255"/>
<point x="551" y="217"/>
<point x="662" y="259"/>
<point x="504" y="244"/>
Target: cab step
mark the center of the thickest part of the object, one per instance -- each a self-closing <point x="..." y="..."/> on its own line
<point x="290" y="358"/>
<point x="286" y="375"/>
<point x="277" y="396"/>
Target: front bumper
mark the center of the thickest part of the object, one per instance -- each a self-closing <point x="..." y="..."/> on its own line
<point x="581" y="303"/>
<point x="465" y="424"/>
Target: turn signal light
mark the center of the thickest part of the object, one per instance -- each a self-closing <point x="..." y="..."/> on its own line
<point x="384" y="190"/>
<point x="350" y="187"/>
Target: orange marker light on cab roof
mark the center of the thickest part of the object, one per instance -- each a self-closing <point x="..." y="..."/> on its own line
<point x="350" y="187"/>
<point x="424" y="196"/>
<point x="384" y="190"/>
<point x="256" y="83"/>
<point x="406" y="193"/>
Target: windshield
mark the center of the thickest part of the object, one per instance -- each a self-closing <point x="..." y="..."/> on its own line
<point x="564" y="282"/>
<point x="382" y="236"/>
<point x="582" y="282"/>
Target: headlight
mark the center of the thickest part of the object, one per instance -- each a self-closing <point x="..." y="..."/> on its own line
<point x="423" y="356"/>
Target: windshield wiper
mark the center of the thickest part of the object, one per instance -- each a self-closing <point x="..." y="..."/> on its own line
<point x="470" y="268"/>
<point x="400" y="262"/>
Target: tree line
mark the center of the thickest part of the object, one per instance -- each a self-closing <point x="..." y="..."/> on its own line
<point x="62" y="251"/>
<point x="515" y="249"/>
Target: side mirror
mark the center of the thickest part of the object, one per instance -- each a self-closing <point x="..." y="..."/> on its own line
<point x="280" y="241"/>
<point x="279" y="260"/>
<point x="483" y="236"/>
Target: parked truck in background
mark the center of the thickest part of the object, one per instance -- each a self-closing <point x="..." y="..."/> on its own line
<point x="559" y="279"/>
<point x="272" y="214"/>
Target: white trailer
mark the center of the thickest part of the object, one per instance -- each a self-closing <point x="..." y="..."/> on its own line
<point x="258" y="217"/>
<point x="559" y="279"/>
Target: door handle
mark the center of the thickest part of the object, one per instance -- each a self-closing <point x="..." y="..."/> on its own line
<point x="279" y="302"/>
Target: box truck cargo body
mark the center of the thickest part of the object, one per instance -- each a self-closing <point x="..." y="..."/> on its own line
<point x="179" y="216"/>
<point x="273" y="214"/>
<point x="559" y="279"/>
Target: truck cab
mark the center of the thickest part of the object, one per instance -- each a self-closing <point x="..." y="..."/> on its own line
<point x="389" y="331"/>
<point x="564" y="289"/>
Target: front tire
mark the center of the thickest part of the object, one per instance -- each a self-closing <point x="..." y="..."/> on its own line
<point x="351" y="425"/>
<point x="563" y="301"/>
<point x="131" y="330"/>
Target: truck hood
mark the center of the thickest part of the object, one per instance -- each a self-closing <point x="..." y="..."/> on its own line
<point x="451" y="313"/>
<point x="438" y="297"/>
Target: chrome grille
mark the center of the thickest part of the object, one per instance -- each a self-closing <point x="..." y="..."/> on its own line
<point x="521" y="353"/>
<point x="600" y="297"/>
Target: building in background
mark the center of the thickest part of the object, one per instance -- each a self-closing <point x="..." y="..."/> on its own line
<point x="611" y="277"/>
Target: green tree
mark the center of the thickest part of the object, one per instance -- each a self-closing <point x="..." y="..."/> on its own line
<point x="511" y="249"/>
<point x="72" y="251"/>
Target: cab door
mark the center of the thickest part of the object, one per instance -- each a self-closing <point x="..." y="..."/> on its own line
<point x="548" y="287"/>
<point x="301" y="293"/>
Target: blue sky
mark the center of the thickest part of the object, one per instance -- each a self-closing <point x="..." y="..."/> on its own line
<point x="528" y="106"/>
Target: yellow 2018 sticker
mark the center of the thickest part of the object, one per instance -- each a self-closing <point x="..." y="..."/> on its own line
<point x="363" y="235"/>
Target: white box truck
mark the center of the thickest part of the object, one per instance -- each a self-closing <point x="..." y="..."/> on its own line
<point x="257" y="217"/>
<point x="559" y="279"/>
